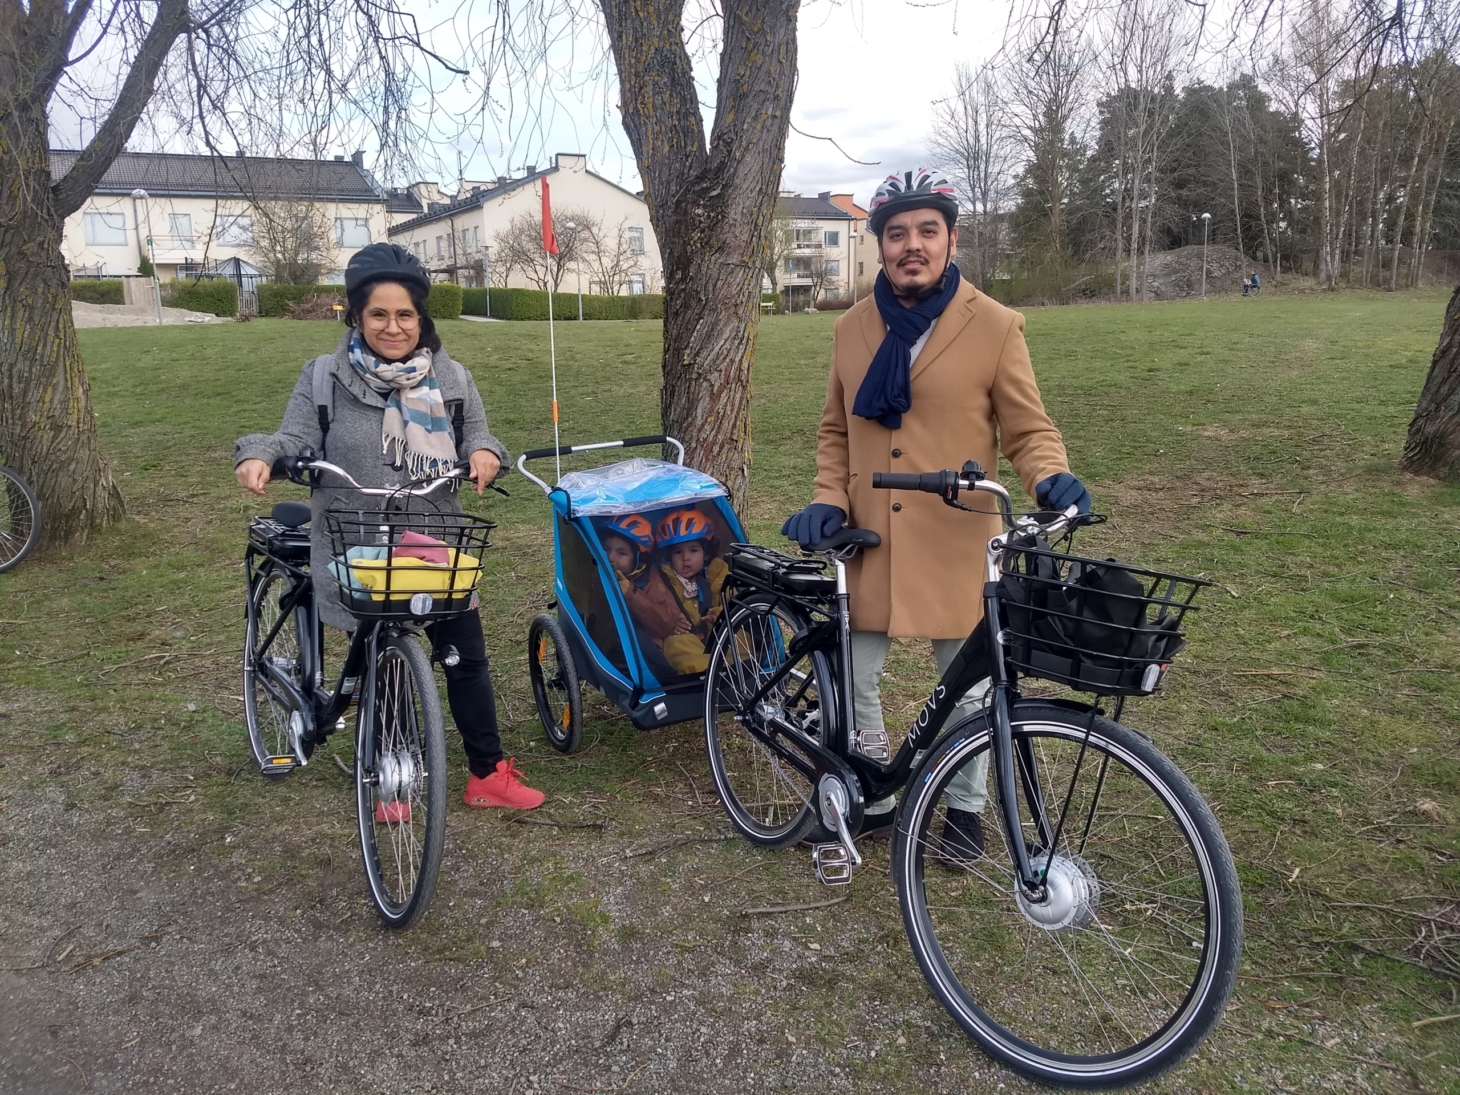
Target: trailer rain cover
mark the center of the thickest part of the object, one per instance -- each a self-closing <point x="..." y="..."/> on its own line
<point x="632" y="486"/>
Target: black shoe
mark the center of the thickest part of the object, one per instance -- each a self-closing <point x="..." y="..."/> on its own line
<point x="880" y="823"/>
<point x="962" y="840"/>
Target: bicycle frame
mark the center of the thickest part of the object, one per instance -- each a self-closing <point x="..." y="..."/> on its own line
<point x="980" y="657"/>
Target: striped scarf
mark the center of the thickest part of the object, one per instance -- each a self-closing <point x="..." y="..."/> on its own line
<point x="415" y="430"/>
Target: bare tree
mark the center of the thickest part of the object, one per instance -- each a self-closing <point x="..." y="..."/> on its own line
<point x="971" y="141"/>
<point x="251" y="73"/>
<point x="780" y="242"/>
<point x="294" y="242"/>
<point x="518" y="247"/>
<point x="607" y="253"/>
<point x="711" y="203"/>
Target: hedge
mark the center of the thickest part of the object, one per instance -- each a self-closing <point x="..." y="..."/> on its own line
<point x="275" y="299"/>
<point x="219" y="297"/>
<point x="532" y="304"/>
<point x="98" y="291"/>
<point x="444" y="301"/>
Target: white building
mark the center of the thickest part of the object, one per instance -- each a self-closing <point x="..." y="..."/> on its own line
<point x="456" y="236"/>
<point x="202" y="212"/>
<point x="825" y="252"/>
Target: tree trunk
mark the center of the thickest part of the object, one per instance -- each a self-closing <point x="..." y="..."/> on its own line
<point x="1433" y="444"/>
<point x="47" y="427"/>
<point x="710" y="207"/>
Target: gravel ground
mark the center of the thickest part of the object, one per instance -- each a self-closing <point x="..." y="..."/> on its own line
<point x="134" y="315"/>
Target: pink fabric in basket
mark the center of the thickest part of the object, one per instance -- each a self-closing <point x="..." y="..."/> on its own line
<point x="415" y="545"/>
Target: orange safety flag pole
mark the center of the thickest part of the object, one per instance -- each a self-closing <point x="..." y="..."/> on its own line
<point x="550" y="245"/>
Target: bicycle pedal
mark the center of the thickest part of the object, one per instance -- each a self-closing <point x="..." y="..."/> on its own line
<point x="873" y="744"/>
<point x="833" y="865"/>
<point x="275" y="767"/>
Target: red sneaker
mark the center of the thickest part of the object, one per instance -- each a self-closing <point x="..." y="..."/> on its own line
<point x="504" y="787"/>
<point x="396" y="812"/>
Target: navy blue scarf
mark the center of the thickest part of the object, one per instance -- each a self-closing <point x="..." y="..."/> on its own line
<point x="886" y="391"/>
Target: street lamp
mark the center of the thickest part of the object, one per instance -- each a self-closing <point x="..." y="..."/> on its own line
<point x="1206" y="224"/>
<point x="151" y="252"/>
<point x="852" y="263"/>
<point x="577" y="265"/>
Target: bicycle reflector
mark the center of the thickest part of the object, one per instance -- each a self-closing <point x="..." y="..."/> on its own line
<point x="421" y="604"/>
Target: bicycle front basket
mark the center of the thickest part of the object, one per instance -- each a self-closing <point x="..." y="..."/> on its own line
<point x="1094" y="625"/>
<point x="406" y="566"/>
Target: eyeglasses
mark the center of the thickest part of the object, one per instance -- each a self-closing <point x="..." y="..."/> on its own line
<point x="404" y="320"/>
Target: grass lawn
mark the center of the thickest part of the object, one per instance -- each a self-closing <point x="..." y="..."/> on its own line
<point x="1318" y="707"/>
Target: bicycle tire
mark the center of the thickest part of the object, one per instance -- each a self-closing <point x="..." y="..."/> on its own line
<point x="20" y="520"/>
<point x="768" y="802"/>
<point x="555" y="687"/>
<point x="405" y="740"/>
<point x="266" y="718"/>
<point x="1042" y="988"/>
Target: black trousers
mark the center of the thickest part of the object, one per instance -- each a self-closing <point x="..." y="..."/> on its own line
<point x="469" y="689"/>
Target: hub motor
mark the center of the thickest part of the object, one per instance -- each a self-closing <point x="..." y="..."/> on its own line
<point x="395" y="775"/>
<point x="1071" y="894"/>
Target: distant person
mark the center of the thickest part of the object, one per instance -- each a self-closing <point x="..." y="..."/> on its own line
<point x="926" y="374"/>
<point x="1254" y="285"/>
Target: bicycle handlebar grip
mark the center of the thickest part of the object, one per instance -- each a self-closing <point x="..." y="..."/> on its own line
<point x="931" y="481"/>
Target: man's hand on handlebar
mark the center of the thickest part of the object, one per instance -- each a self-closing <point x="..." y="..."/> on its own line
<point x="1061" y="491"/>
<point x="484" y="468"/>
<point x="813" y="524"/>
<point x="252" y="475"/>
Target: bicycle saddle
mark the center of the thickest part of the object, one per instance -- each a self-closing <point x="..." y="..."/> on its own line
<point x="849" y="538"/>
<point x="291" y="514"/>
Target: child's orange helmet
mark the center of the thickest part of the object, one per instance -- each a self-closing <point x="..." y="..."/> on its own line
<point x="633" y="527"/>
<point x="682" y="526"/>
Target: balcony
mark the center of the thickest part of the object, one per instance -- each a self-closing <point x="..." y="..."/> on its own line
<point x="176" y="249"/>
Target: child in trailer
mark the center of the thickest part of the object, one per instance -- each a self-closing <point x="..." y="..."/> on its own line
<point x="695" y="575"/>
<point x="628" y="541"/>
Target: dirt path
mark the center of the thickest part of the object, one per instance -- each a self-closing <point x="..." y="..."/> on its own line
<point x="135" y="315"/>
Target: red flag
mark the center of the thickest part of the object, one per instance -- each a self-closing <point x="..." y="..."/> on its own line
<point x="549" y="241"/>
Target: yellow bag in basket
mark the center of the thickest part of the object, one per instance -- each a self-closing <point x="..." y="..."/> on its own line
<point x="409" y="576"/>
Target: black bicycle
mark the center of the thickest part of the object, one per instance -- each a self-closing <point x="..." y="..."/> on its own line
<point x="1093" y="941"/>
<point x="395" y="571"/>
<point x="20" y="519"/>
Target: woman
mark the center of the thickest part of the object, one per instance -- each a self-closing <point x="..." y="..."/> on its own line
<point x="394" y="394"/>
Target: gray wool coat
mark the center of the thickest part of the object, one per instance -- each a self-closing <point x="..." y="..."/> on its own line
<point x="354" y="443"/>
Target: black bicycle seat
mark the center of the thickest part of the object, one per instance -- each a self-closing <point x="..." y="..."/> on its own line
<point x="291" y="514"/>
<point x="849" y="538"/>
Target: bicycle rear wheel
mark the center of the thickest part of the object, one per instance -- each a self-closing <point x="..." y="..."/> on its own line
<point x="767" y="799"/>
<point x="271" y="652"/>
<point x="20" y="520"/>
<point x="1127" y="963"/>
<point x="400" y="782"/>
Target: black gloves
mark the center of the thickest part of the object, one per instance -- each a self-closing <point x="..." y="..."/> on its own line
<point x="813" y="524"/>
<point x="1060" y="491"/>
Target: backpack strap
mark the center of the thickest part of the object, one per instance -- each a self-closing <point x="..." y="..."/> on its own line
<point x="458" y="421"/>
<point x="324" y="399"/>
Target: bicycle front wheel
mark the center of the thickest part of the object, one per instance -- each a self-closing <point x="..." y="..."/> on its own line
<point x="20" y="520"/>
<point x="1120" y="969"/>
<point x="400" y="782"/>
<point x="271" y="654"/>
<point x="767" y="799"/>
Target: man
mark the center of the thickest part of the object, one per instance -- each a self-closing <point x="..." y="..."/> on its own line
<point x="926" y="374"/>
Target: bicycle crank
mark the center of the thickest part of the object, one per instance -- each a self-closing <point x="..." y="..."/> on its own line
<point x="1071" y="894"/>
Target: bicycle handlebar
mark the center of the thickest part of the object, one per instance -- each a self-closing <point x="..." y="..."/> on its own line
<point x="305" y="470"/>
<point x="947" y="484"/>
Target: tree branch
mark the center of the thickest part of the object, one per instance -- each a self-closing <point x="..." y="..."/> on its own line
<point x="71" y="192"/>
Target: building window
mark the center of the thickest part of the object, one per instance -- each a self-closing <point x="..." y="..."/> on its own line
<point x="636" y="281"/>
<point x="806" y="237"/>
<point x="860" y="271"/>
<point x="180" y="228"/>
<point x="636" y="246"/>
<point x="419" y="249"/>
<point x="832" y="239"/>
<point x="833" y="268"/>
<point x="235" y="231"/>
<point x="352" y="232"/>
<point x="105" y="229"/>
<point x="440" y="247"/>
<point x="832" y="294"/>
<point x="476" y="237"/>
<point x="465" y="240"/>
<point x="798" y="268"/>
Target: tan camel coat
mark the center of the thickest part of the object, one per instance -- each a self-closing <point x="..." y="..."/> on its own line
<point x="972" y="391"/>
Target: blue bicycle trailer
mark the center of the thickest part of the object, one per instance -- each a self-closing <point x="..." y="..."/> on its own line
<point x="592" y="639"/>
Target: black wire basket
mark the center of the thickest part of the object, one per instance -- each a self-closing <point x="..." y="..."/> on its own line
<point x="1093" y="625"/>
<point x="406" y="566"/>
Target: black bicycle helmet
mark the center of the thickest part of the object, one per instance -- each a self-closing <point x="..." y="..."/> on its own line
<point x="385" y="262"/>
<point x="916" y="189"/>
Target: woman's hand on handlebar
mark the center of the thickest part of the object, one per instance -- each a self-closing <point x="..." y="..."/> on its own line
<point x="484" y="468"/>
<point x="252" y="475"/>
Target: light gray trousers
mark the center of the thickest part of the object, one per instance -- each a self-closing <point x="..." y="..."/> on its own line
<point x="968" y="790"/>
